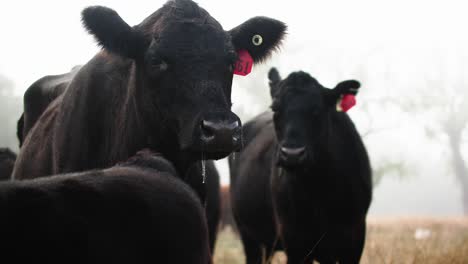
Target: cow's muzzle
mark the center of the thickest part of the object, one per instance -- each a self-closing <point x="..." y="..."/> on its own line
<point x="291" y="156"/>
<point x="221" y="134"/>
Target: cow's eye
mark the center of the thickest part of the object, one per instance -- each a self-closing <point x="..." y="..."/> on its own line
<point x="156" y="66"/>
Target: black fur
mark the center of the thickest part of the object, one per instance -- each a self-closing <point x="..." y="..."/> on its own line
<point x="271" y="30"/>
<point x="19" y="129"/>
<point x="7" y="162"/>
<point x="113" y="33"/>
<point x="275" y="78"/>
<point x="315" y="206"/>
<point x="126" y="214"/>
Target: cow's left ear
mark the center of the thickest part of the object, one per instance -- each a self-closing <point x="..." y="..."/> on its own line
<point x="343" y="89"/>
<point x="260" y="36"/>
<point x="113" y="33"/>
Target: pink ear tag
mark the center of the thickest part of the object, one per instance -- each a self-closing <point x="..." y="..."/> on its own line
<point x="347" y="102"/>
<point x="243" y="65"/>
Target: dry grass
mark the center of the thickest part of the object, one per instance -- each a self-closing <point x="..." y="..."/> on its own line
<point x="389" y="241"/>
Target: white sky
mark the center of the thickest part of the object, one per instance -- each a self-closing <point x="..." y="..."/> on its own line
<point x="46" y="37"/>
<point x="331" y="39"/>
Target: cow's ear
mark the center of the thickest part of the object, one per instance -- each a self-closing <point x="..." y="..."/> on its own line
<point x="347" y="87"/>
<point x="113" y="33"/>
<point x="260" y="36"/>
<point x="333" y="96"/>
<point x="275" y="79"/>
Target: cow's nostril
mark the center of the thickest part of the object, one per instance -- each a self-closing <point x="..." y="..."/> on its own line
<point x="236" y="140"/>
<point x="208" y="129"/>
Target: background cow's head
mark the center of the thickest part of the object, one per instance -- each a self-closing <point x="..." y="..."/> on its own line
<point x="303" y="109"/>
<point x="184" y="62"/>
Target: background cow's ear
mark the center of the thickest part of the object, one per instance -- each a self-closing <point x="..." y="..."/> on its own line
<point x="113" y="33"/>
<point x="260" y="36"/>
<point x="346" y="87"/>
<point x="275" y="79"/>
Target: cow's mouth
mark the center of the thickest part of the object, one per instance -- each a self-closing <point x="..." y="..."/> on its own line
<point x="210" y="155"/>
<point x="216" y="155"/>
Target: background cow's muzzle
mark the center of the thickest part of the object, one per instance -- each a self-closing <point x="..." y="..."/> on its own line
<point x="291" y="156"/>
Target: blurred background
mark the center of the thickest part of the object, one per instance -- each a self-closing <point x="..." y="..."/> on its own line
<point x="410" y="56"/>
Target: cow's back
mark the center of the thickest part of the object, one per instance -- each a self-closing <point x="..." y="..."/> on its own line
<point x="117" y="215"/>
<point x="38" y="97"/>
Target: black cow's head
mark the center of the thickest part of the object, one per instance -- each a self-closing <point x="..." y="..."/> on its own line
<point x="302" y="110"/>
<point x="184" y="61"/>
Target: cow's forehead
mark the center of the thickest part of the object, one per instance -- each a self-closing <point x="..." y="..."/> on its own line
<point x="300" y="88"/>
<point x="186" y="38"/>
<point x="300" y="84"/>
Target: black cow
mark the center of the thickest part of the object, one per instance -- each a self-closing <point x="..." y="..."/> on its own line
<point x="42" y="92"/>
<point x="37" y="98"/>
<point x="164" y="84"/>
<point x="303" y="181"/>
<point x="136" y="212"/>
<point x="7" y="161"/>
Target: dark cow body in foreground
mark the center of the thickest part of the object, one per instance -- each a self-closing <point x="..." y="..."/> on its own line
<point x="303" y="181"/>
<point x="7" y="162"/>
<point x="164" y="84"/>
<point x="136" y="212"/>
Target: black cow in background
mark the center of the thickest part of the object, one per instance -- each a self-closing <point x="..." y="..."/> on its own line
<point x="303" y="181"/>
<point x="7" y="162"/>
<point x="136" y="212"/>
<point x="37" y="98"/>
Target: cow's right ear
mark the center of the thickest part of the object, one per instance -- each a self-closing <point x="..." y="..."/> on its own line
<point x="113" y="33"/>
<point x="275" y="79"/>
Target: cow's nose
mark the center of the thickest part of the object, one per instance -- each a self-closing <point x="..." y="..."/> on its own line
<point x="221" y="134"/>
<point x="292" y="156"/>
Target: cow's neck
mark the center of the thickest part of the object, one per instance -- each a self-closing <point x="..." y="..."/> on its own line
<point x="130" y="131"/>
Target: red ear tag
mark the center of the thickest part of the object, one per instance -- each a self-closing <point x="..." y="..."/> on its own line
<point x="243" y="65"/>
<point x="347" y="102"/>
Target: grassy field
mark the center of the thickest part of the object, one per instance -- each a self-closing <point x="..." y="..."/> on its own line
<point x="403" y="240"/>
